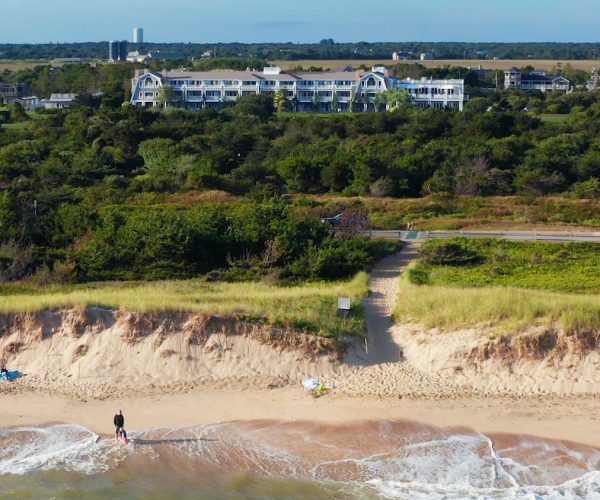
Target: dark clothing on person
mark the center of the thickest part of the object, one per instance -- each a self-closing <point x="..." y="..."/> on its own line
<point x="119" y="421"/>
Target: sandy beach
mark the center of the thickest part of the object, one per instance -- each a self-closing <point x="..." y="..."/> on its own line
<point x="400" y="373"/>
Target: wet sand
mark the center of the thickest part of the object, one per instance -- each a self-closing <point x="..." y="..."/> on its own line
<point x="564" y="418"/>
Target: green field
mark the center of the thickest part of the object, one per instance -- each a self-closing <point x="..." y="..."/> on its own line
<point x="568" y="267"/>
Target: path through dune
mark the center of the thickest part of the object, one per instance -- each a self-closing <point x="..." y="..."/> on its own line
<point x="379" y="306"/>
<point x="383" y="370"/>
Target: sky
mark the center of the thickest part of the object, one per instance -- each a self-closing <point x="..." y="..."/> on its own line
<point x="42" y="21"/>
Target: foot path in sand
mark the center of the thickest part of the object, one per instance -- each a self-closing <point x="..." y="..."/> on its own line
<point x="379" y="306"/>
<point x="383" y="371"/>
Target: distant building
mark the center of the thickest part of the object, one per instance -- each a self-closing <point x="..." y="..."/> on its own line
<point x="481" y="72"/>
<point x="310" y="92"/>
<point x="402" y="56"/>
<point x="515" y="79"/>
<point x="594" y="84"/>
<point x="8" y="93"/>
<point x="166" y="55"/>
<point x="30" y="103"/>
<point x="60" y="101"/>
<point x="427" y="56"/>
<point x="67" y="60"/>
<point x="137" y="56"/>
<point x="117" y="50"/>
<point x="138" y="36"/>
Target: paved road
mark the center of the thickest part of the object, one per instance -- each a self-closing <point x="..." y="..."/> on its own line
<point x="593" y="237"/>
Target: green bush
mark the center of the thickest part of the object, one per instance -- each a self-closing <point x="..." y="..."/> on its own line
<point x="452" y="252"/>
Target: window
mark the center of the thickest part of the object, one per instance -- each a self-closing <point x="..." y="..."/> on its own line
<point x="231" y="93"/>
<point x="213" y="93"/>
<point x="248" y="82"/>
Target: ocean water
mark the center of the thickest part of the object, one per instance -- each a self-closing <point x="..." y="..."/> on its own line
<point x="272" y="460"/>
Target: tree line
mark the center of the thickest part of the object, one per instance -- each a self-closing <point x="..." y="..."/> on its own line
<point x="325" y="49"/>
<point x="95" y="192"/>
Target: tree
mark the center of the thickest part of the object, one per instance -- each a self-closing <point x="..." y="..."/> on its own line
<point x="257" y="105"/>
<point x="17" y="113"/>
<point x="166" y="96"/>
<point x="392" y="99"/>
<point x="280" y="100"/>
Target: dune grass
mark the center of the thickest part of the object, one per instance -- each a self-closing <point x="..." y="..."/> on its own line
<point x="308" y="307"/>
<point x="502" y="309"/>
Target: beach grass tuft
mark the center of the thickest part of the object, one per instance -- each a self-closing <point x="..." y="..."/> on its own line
<point x="309" y="307"/>
<point x="506" y="309"/>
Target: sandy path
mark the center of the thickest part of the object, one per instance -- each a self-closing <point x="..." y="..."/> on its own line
<point x="379" y="306"/>
<point x="384" y="371"/>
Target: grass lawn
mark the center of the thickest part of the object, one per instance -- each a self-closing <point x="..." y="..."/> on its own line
<point x="18" y="64"/>
<point x="308" y="115"/>
<point x="309" y="307"/>
<point x="18" y="125"/>
<point x="503" y="284"/>
<point x="548" y="118"/>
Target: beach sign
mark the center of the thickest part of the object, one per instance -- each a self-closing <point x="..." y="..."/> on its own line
<point x="343" y="306"/>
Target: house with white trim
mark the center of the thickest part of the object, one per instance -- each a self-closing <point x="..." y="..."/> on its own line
<point x="308" y="92"/>
<point x="515" y="79"/>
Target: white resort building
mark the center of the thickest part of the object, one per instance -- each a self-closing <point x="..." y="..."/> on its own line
<point x="316" y="92"/>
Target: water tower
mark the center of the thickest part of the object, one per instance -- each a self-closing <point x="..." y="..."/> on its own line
<point x="138" y="37"/>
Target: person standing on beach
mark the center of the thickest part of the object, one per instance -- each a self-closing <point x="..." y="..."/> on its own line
<point x="119" y="422"/>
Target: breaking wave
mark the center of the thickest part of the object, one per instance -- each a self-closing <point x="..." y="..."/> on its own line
<point x="384" y="459"/>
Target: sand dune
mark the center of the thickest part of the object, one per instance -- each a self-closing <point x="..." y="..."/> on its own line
<point x="73" y="359"/>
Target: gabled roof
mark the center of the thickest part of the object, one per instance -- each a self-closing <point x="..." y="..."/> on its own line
<point x="255" y="75"/>
<point x="62" y="97"/>
<point x="542" y="78"/>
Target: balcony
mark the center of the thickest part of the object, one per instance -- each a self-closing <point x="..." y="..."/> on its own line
<point x="438" y="97"/>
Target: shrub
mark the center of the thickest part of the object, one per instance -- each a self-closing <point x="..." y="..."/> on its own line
<point x="383" y="187"/>
<point x="452" y="252"/>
